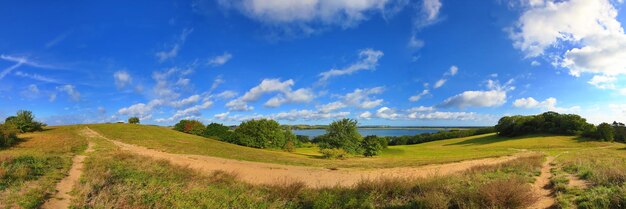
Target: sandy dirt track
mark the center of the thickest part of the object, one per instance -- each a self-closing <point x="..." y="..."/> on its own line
<point x="268" y="173"/>
<point x="541" y="187"/>
<point x="62" y="198"/>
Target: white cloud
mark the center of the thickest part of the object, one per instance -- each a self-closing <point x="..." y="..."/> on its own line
<point x="439" y="83"/>
<point x="365" y="115"/>
<point x="361" y="98"/>
<point x="188" y="113"/>
<point x="603" y="81"/>
<point x="168" y="54"/>
<point x="331" y="107"/>
<point x="228" y="94"/>
<point x="286" y="95"/>
<point x="32" y="88"/>
<point x="369" y="61"/>
<point x="448" y="116"/>
<point x="141" y="110"/>
<point x="307" y="115"/>
<point x="535" y="63"/>
<point x="419" y="96"/>
<point x="221" y="116"/>
<point x="387" y="113"/>
<point x="186" y="101"/>
<point x="415" y="43"/>
<point x="312" y="12"/>
<point x="580" y="35"/>
<point x="548" y="104"/>
<point x="71" y="91"/>
<point x="122" y="78"/>
<point x="430" y="12"/>
<point x="453" y="70"/>
<point x="221" y="59"/>
<point x="496" y="96"/>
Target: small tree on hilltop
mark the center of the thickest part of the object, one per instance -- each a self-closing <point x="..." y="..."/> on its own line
<point x="133" y="120"/>
<point x="342" y="134"/>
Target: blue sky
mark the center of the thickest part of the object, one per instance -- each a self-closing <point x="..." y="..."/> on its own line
<point x="424" y="62"/>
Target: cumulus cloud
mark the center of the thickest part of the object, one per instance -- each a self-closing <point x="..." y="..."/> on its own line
<point x="365" y="115"/>
<point x="228" y="94"/>
<point x="141" y="110"/>
<point x="580" y="35"/>
<point x="188" y="113"/>
<point x="368" y="61"/>
<point x="173" y="52"/>
<point x="362" y="98"/>
<point x="495" y="96"/>
<point x="71" y="91"/>
<point x="186" y="101"/>
<point x="221" y="59"/>
<point x="423" y="113"/>
<point x="122" y="79"/>
<point x="285" y="95"/>
<point x="331" y="107"/>
<point x="548" y="104"/>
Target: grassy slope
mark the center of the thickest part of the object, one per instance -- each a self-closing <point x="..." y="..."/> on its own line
<point x="408" y="155"/>
<point x="30" y="169"/>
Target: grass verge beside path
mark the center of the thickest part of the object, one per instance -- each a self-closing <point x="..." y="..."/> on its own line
<point x="443" y="151"/>
<point x="30" y="169"/>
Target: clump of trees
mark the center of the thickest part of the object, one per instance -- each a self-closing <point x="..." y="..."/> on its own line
<point x="428" y="137"/>
<point x="24" y="121"/>
<point x="343" y="135"/>
<point x="548" y="122"/>
<point x="261" y="133"/>
<point x="133" y="120"/>
<point x="555" y="123"/>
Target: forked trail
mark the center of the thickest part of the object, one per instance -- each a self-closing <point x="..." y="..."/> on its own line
<point x="268" y="173"/>
<point x="62" y="198"/>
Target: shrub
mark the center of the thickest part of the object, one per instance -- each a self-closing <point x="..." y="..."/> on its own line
<point x="371" y="146"/>
<point x="342" y="134"/>
<point x="507" y="193"/>
<point x="24" y="121"/>
<point x="8" y="135"/>
<point x="289" y="146"/>
<point x="133" y="120"/>
<point x="604" y="132"/>
<point x="262" y="133"/>
<point x="548" y="122"/>
<point x="190" y="126"/>
<point x="333" y="153"/>
<point x="303" y="139"/>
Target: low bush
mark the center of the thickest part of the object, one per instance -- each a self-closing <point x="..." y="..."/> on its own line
<point x="190" y="126"/>
<point x="133" y="120"/>
<point x="24" y="121"/>
<point x="372" y="145"/>
<point x="333" y="153"/>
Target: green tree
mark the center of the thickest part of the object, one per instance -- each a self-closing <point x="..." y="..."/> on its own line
<point x="133" y="120"/>
<point x="262" y="133"/>
<point x="342" y="134"/>
<point x="372" y="145"/>
<point x="605" y="132"/>
<point x="190" y="126"/>
<point x="24" y="121"/>
<point x="217" y="130"/>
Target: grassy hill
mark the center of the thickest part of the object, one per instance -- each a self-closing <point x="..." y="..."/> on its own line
<point x="481" y="146"/>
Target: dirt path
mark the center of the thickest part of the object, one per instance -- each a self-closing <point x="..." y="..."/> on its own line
<point x="268" y="173"/>
<point x="62" y="198"/>
<point x="546" y="199"/>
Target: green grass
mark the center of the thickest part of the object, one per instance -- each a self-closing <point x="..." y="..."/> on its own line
<point x="30" y="169"/>
<point x="443" y="151"/>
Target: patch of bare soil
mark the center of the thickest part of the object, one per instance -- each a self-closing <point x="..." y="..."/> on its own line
<point x="62" y="198"/>
<point x="268" y="173"/>
<point x="541" y="187"/>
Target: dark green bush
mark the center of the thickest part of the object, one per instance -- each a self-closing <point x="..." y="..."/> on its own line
<point x="342" y="134"/>
<point x="372" y="145"/>
<point x="262" y="133"/>
<point x="217" y="130"/>
<point x="133" y="120"/>
<point x="548" y="122"/>
<point x="8" y="135"/>
<point x="190" y="126"/>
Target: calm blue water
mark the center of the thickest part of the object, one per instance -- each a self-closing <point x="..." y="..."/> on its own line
<point x="366" y="132"/>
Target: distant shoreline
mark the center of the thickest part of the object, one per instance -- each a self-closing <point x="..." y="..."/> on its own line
<point x="399" y="128"/>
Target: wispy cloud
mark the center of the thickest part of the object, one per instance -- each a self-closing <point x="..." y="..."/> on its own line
<point x="221" y="59"/>
<point x="368" y="61"/>
<point x="173" y="52"/>
<point x="37" y="77"/>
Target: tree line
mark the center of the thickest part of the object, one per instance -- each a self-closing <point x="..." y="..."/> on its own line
<point x="562" y="124"/>
<point x="23" y="121"/>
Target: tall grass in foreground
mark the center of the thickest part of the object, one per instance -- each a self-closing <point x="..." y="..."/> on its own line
<point x="604" y="170"/>
<point x="121" y="180"/>
<point x="30" y="169"/>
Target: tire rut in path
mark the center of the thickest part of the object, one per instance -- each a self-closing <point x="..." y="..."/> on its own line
<point x="269" y="173"/>
<point x="62" y="198"/>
